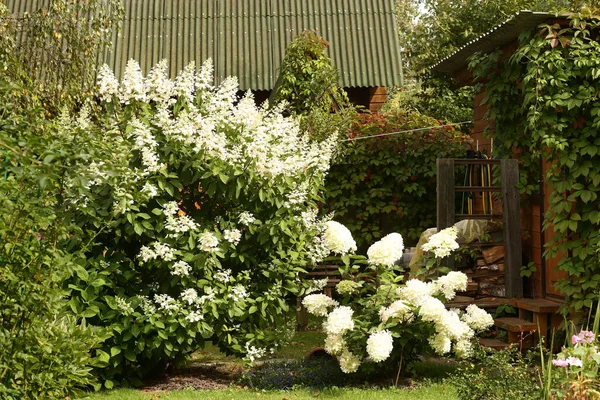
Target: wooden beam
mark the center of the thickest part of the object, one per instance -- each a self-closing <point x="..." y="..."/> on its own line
<point x="445" y="199"/>
<point x="511" y="210"/>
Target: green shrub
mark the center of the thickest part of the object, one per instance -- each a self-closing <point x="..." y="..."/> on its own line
<point x="497" y="375"/>
<point x="44" y="351"/>
<point x="387" y="184"/>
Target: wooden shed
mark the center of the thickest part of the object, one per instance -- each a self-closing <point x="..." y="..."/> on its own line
<point x="505" y="38"/>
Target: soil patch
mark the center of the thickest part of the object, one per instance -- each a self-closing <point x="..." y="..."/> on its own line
<point x="198" y="376"/>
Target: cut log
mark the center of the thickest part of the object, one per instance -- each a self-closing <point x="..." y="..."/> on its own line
<point x="493" y="254"/>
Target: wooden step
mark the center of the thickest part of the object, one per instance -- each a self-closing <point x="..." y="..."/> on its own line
<point x="512" y="324"/>
<point x="487" y="303"/>
<point x="541" y="306"/>
<point x="493" y="343"/>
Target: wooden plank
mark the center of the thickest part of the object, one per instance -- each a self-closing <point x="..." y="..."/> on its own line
<point x="538" y="305"/>
<point x="445" y="193"/>
<point x="478" y="188"/>
<point x="445" y="199"/>
<point x="512" y="324"/>
<point x="477" y="216"/>
<point x="512" y="231"/>
<point x="463" y="161"/>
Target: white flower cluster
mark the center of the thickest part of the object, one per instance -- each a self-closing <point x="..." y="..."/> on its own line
<point x="449" y="284"/>
<point x="349" y="363"/>
<point x="246" y="218"/>
<point x="158" y="250"/>
<point x="316" y="285"/>
<point x="271" y="143"/>
<point x="339" y="321"/>
<point x="397" y="310"/>
<point x="180" y="268"/>
<point x="347" y="287"/>
<point x="386" y="251"/>
<point x="167" y="304"/>
<point x="254" y="353"/>
<point x="233" y="236"/>
<point x="123" y="305"/>
<point x="443" y="243"/>
<point x="238" y="293"/>
<point x="208" y="242"/>
<point x="380" y="345"/>
<point x="180" y="223"/>
<point x="223" y="276"/>
<point x="189" y="296"/>
<point x="146" y="144"/>
<point x="478" y="319"/>
<point x="318" y="304"/>
<point x="338" y="239"/>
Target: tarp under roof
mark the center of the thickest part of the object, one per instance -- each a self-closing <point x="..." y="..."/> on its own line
<point x="247" y="38"/>
<point x="490" y="41"/>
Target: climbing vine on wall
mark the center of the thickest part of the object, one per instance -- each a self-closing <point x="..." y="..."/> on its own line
<point x="553" y="114"/>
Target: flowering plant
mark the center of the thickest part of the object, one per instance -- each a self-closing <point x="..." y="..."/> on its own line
<point x="574" y="371"/>
<point x="379" y="318"/>
<point x="207" y="208"/>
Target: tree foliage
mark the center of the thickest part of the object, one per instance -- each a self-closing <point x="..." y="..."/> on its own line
<point x="307" y="78"/>
<point x="57" y="48"/>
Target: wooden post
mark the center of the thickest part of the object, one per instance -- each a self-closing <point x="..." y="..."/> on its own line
<point x="511" y="210"/>
<point x="445" y="198"/>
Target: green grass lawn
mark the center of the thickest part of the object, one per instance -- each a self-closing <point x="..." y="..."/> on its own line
<point x="428" y="392"/>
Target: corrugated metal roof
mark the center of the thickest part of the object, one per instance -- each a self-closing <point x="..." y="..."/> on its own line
<point x="488" y="42"/>
<point x="247" y="38"/>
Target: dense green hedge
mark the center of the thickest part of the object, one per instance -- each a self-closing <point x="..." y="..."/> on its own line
<point x="387" y="184"/>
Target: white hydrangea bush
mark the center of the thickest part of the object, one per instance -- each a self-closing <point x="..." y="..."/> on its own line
<point x="210" y="210"/>
<point x="378" y="316"/>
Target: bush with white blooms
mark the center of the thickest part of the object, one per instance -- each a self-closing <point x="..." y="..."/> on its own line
<point x="379" y="318"/>
<point x="203" y="209"/>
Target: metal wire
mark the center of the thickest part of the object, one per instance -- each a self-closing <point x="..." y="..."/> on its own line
<point x="409" y="130"/>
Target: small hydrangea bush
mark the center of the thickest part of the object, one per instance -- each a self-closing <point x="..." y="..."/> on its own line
<point x="202" y="213"/>
<point x="379" y="318"/>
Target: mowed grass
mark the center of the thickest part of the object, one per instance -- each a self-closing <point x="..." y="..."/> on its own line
<point x="428" y="392"/>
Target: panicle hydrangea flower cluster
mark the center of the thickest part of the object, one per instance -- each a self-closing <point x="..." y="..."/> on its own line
<point x="478" y="319"/>
<point x="123" y="305"/>
<point x="208" y="242"/>
<point x="338" y="239"/>
<point x="349" y="362"/>
<point x="318" y="304"/>
<point x="386" y="251"/>
<point x="223" y="276"/>
<point x="380" y="345"/>
<point x="158" y="250"/>
<point x="398" y="310"/>
<point x="316" y="285"/>
<point x="347" y="287"/>
<point x="246" y="218"/>
<point x="339" y="321"/>
<point x="449" y="284"/>
<point x="443" y="243"/>
<point x="181" y="268"/>
<point x="233" y="236"/>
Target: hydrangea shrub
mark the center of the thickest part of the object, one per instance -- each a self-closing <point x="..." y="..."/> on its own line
<point x="380" y="318"/>
<point x="206" y="206"/>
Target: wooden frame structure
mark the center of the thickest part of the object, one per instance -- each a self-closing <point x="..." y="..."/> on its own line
<point x="511" y="211"/>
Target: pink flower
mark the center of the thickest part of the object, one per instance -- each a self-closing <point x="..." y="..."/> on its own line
<point x="560" y="363"/>
<point x="583" y="337"/>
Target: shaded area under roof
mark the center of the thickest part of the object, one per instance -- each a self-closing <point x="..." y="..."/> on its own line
<point x="247" y="38"/>
<point x="495" y="38"/>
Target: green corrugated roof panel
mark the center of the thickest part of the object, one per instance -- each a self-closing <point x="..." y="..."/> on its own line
<point x="247" y="38"/>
